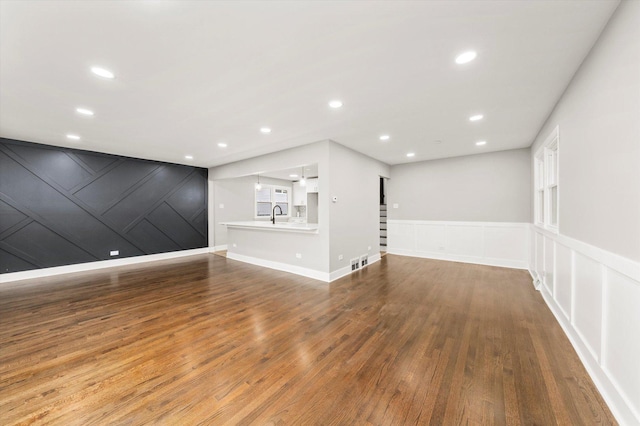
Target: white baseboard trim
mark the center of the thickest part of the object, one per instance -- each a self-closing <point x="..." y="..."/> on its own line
<point x="374" y="258"/>
<point x="534" y="278"/>
<point x="217" y="248"/>
<point x="343" y="272"/>
<point x="504" y="263"/>
<point x="339" y="273"/>
<point x="90" y="266"/>
<point x="305" y="272"/>
<point x="298" y="270"/>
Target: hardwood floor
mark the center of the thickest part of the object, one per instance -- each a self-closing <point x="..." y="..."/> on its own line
<point x="208" y="340"/>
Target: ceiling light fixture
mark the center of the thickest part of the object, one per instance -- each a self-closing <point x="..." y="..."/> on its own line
<point x="293" y="175"/>
<point x="265" y="130"/>
<point x="466" y="57"/>
<point x="189" y="157"/>
<point x="384" y="137"/>
<point x="104" y="73"/>
<point x="303" y="181"/>
<point x="411" y="154"/>
<point x="480" y="143"/>
<point x="335" y="104"/>
<point x="84" y="111"/>
<point x="73" y="137"/>
<point x="258" y="185"/>
<point x="222" y="145"/>
<point x="476" y="117"/>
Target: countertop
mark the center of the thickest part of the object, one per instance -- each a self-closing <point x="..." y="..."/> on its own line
<point x="279" y="226"/>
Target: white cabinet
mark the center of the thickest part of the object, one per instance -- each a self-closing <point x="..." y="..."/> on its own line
<point x="312" y="185"/>
<point x="299" y="194"/>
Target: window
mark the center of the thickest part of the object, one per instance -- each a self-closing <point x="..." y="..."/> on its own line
<point x="546" y="183"/>
<point x="268" y="197"/>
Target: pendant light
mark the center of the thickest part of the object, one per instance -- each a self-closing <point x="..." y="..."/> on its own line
<point x="258" y="186"/>
<point x="303" y="181"/>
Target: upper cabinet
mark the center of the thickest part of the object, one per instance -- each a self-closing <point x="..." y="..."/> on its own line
<point x="312" y="185"/>
<point x="299" y="194"/>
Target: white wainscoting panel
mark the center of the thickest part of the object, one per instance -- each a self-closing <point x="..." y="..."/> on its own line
<point x="621" y="349"/>
<point x="485" y="243"/>
<point x="549" y="265"/>
<point x="504" y="243"/>
<point x="595" y="296"/>
<point x="588" y="302"/>
<point x="539" y="265"/>
<point x="563" y="279"/>
<point x="465" y="240"/>
<point x="428" y="238"/>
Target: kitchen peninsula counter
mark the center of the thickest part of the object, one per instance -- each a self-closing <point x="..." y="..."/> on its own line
<point x="264" y="225"/>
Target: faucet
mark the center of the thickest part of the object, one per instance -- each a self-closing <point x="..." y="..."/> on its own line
<point x="273" y="213"/>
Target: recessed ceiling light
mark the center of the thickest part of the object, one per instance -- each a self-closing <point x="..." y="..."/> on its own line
<point x="265" y="130"/>
<point x="73" y="137"/>
<point x="294" y="175"/>
<point x="222" y="145"/>
<point x="466" y="57"/>
<point x="480" y="143"/>
<point x="84" y="111"/>
<point x="476" y="117"/>
<point x="102" y="72"/>
<point x="384" y="137"/>
<point x="335" y="104"/>
<point x="188" y="157"/>
<point x="411" y="154"/>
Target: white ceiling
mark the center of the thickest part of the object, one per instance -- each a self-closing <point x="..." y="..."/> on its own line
<point x="310" y="170"/>
<point x="191" y="74"/>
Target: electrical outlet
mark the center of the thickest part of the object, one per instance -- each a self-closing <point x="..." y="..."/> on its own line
<point x="221" y="206"/>
<point x="364" y="260"/>
<point x="298" y="255"/>
<point x="114" y="253"/>
<point x="340" y="257"/>
<point x="368" y="247"/>
<point x="235" y="245"/>
<point x="396" y="205"/>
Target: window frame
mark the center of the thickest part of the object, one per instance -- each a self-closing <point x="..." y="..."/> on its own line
<point x="546" y="183"/>
<point x="272" y="189"/>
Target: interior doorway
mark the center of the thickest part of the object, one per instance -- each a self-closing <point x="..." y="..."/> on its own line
<point x="383" y="215"/>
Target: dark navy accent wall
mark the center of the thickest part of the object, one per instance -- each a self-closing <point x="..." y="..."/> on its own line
<point x="61" y="206"/>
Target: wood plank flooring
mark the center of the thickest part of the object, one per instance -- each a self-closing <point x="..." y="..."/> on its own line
<point x="208" y="340"/>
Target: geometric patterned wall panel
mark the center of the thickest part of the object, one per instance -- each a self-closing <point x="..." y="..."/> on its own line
<point x="61" y="206"/>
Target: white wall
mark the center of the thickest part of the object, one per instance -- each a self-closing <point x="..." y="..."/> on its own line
<point x="471" y="209"/>
<point x="599" y="121"/>
<point x="355" y="217"/>
<point x="275" y="249"/>
<point x="492" y="187"/>
<point x="589" y="273"/>
<point x="237" y="198"/>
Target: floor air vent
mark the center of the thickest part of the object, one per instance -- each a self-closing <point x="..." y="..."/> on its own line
<point x="355" y="264"/>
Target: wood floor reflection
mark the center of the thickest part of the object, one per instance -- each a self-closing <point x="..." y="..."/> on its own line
<point x="208" y="340"/>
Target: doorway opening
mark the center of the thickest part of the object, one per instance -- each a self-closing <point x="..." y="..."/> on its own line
<point x="383" y="216"/>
